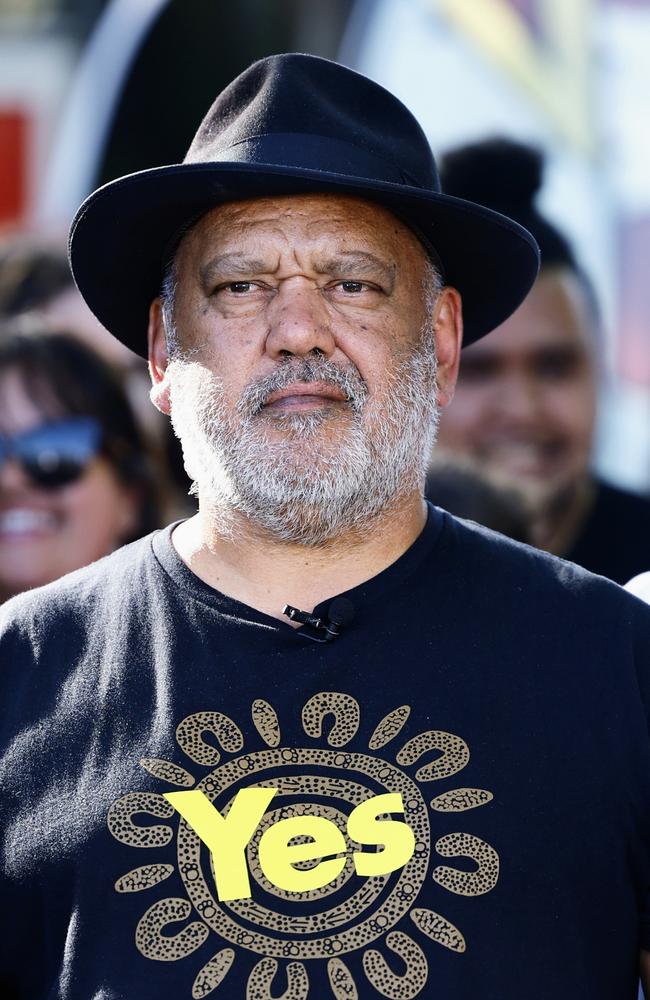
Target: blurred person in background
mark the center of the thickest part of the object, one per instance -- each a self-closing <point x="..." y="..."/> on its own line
<point x="75" y="479"/>
<point x="526" y="399"/>
<point x="35" y="278"/>
<point x="456" y="485"/>
<point x="301" y="341"/>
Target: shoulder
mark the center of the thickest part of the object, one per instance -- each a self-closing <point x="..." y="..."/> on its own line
<point x="74" y="598"/>
<point x="526" y="599"/>
<point x="489" y="559"/>
<point x="80" y="631"/>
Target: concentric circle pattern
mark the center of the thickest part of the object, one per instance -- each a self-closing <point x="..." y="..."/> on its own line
<point x="285" y="932"/>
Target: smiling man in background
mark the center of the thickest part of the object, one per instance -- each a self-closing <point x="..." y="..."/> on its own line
<point x="195" y="788"/>
<point x="525" y="406"/>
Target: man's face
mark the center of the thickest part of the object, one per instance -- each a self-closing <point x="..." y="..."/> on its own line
<point x="525" y="400"/>
<point x="304" y="390"/>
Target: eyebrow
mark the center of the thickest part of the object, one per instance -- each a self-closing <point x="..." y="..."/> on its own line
<point x="231" y="263"/>
<point x="354" y="263"/>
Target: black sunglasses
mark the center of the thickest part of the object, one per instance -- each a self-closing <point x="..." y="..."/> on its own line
<point x="55" y="453"/>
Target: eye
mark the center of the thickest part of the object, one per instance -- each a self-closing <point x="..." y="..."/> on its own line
<point x="350" y="288"/>
<point x="555" y="365"/>
<point x="479" y="369"/>
<point x="240" y="297"/>
<point x="236" y="287"/>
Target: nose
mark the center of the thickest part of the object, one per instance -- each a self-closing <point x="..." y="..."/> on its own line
<point x="519" y="400"/>
<point x="12" y="477"/>
<point x="299" y="321"/>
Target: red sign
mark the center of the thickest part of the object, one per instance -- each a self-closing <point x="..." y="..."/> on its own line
<point x="13" y="165"/>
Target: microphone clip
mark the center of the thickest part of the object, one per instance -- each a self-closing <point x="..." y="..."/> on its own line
<point x="340" y="613"/>
<point x="295" y="615"/>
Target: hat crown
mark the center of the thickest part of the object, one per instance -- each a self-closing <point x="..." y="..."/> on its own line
<point x="311" y="113"/>
<point x="291" y="125"/>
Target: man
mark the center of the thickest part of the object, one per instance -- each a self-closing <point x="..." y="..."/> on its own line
<point x="431" y="771"/>
<point x="525" y="406"/>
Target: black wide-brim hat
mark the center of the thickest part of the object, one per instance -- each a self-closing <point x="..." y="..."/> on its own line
<point x="293" y="124"/>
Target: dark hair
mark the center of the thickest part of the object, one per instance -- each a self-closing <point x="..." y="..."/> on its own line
<point x="463" y="490"/>
<point x="507" y="176"/>
<point x="31" y="275"/>
<point x="66" y="377"/>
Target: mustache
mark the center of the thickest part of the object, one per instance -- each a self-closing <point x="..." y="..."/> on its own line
<point x="290" y="371"/>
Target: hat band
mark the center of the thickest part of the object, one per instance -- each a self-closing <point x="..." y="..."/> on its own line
<point x="305" y="151"/>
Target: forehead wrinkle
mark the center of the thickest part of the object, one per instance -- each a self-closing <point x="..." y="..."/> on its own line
<point x="235" y="263"/>
<point x="289" y="212"/>
<point x="234" y="231"/>
<point x="355" y="262"/>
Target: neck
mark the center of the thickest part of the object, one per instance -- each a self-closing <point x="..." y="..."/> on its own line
<point x="264" y="573"/>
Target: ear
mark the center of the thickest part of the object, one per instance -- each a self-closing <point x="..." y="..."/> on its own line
<point x="158" y="358"/>
<point x="448" y="334"/>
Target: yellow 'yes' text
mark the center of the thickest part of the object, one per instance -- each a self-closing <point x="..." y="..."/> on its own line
<point x="228" y="836"/>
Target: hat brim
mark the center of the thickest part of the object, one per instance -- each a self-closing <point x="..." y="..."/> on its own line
<point x="122" y="232"/>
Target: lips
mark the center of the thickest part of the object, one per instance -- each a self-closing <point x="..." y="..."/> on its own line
<point x="525" y="457"/>
<point x="23" y="522"/>
<point x="305" y="394"/>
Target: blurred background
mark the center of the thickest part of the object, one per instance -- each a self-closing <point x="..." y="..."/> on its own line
<point x="91" y="89"/>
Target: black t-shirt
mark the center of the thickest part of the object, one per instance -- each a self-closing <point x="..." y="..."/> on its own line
<point x="498" y="695"/>
<point x="614" y="539"/>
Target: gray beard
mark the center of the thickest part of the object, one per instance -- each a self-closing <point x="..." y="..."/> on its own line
<point x="307" y="478"/>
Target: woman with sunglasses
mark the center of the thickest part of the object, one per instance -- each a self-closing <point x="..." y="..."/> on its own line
<point x="75" y="481"/>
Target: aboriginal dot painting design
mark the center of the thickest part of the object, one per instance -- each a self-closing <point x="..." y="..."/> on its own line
<point x="328" y="777"/>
